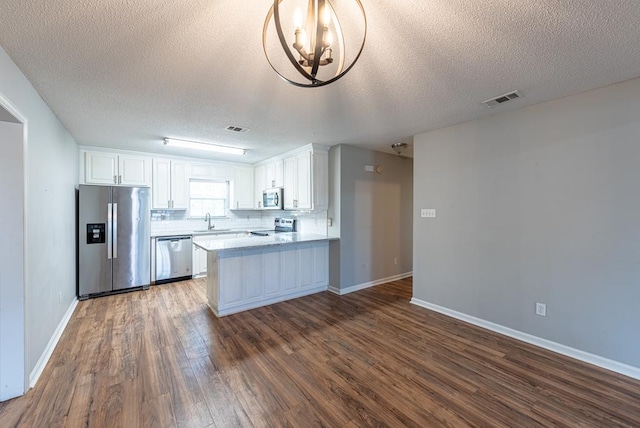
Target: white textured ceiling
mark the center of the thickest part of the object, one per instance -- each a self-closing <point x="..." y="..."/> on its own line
<point x="126" y="73"/>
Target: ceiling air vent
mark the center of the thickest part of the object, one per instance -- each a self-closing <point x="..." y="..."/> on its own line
<point x="236" y="128"/>
<point x="502" y="99"/>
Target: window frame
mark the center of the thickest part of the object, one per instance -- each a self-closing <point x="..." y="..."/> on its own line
<point x="227" y="199"/>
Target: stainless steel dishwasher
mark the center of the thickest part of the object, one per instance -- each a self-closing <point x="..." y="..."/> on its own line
<point x="173" y="258"/>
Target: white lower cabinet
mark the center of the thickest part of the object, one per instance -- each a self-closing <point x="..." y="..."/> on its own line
<point x="199" y="256"/>
<point x="246" y="279"/>
<point x="199" y="260"/>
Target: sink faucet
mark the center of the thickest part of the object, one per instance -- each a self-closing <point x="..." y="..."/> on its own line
<point x="207" y="218"/>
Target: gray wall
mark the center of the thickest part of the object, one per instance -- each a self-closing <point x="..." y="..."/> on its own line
<point x="52" y="177"/>
<point x="538" y="205"/>
<point x="372" y="215"/>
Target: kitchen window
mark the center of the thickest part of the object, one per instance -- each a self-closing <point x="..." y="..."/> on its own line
<point x="208" y="196"/>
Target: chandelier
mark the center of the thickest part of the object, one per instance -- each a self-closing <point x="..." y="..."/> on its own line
<point x="311" y="49"/>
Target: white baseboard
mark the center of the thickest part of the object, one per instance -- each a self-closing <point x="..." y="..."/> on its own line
<point x="44" y="358"/>
<point x="587" y="357"/>
<point x="357" y="287"/>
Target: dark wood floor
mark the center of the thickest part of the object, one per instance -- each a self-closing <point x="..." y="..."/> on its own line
<point x="160" y="358"/>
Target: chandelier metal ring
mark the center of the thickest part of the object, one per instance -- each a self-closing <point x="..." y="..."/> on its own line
<point x="317" y="50"/>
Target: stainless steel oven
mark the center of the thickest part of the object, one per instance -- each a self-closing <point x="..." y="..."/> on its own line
<point x="281" y="225"/>
<point x="272" y="199"/>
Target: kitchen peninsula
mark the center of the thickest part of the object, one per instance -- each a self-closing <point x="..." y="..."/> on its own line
<point x="246" y="273"/>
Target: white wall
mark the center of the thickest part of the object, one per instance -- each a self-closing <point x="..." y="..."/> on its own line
<point x="538" y="205"/>
<point x="12" y="378"/>
<point x="52" y="177"/>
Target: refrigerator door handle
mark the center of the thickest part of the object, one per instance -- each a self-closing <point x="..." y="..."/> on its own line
<point x="109" y="232"/>
<point x="115" y="231"/>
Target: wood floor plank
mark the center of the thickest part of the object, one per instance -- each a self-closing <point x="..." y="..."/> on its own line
<point x="160" y="358"/>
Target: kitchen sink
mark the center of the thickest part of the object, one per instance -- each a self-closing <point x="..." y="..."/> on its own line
<point x="213" y="232"/>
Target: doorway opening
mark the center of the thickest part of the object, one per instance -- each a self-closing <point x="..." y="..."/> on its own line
<point x="13" y="379"/>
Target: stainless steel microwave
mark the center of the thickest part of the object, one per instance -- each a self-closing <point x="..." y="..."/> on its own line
<point x="272" y="199"/>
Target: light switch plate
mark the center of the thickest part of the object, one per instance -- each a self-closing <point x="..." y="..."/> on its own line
<point x="427" y="213"/>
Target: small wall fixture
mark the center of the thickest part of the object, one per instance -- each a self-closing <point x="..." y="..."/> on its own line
<point x="316" y="38"/>
<point x="196" y="145"/>
<point x="399" y="147"/>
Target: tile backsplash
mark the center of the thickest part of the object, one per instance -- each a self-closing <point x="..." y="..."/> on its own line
<point x="177" y="222"/>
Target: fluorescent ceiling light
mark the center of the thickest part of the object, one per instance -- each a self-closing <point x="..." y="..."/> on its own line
<point x="185" y="144"/>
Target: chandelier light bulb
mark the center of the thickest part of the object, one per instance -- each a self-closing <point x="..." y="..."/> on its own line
<point x="329" y="39"/>
<point x="297" y="18"/>
<point x="327" y="16"/>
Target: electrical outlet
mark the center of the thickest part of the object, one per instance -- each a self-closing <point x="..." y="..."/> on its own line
<point x="329" y="222"/>
<point x="395" y="260"/>
<point x="60" y="297"/>
<point x="541" y="309"/>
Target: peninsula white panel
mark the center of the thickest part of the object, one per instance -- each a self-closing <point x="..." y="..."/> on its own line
<point x="243" y="279"/>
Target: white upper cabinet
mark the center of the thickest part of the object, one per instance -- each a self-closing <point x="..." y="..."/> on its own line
<point x="306" y="176"/>
<point x="114" y="169"/>
<point x="134" y="170"/>
<point x="259" y="185"/>
<point x="209" y="171"/>
<point x="170" y="184"/>
<point x="274" y="174"/>
<point x="320" y="179"/>
<point x="290" y="191"/>
<point x="243" y="194"/>
<point x="267" y="176"/>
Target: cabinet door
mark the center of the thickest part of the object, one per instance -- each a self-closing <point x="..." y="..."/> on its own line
<point x="100" y="168"/>
<point x="202" y="170"/>
<point x="304" y="201"/>
<point x="274" y="174"/>
<point x="320" y="180"/>
<point x="195" y="262"/>
<point x="179" y="185"/>
<point x="290" y="171"/>
<point x="199" y="261"/>
<point x="134" y="170"/>
<point x="243" y="189"/>
<point x="161" y="180"/>
<point x="259" y="185"/>
<point x="278" y="177"/>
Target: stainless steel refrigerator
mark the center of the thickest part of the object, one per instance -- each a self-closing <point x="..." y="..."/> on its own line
<point x="114" y="240"/>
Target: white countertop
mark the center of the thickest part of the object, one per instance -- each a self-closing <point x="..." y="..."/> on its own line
<point x="260" y="241"/>
<point x="202" y="232"/>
